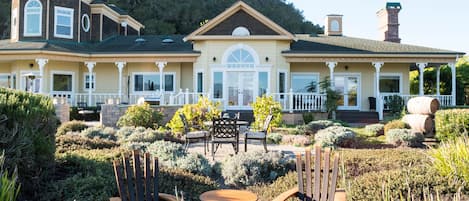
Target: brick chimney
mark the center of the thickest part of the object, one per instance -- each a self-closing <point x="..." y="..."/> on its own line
<point x="333" y="25"/>
<point x="389" y="22"/>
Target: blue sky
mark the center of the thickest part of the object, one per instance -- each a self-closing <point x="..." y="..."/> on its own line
<point x="431" y="23"/>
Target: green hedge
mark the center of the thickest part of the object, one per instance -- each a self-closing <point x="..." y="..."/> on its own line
<point x="450" y="124"/>
<point x="28" y="137"/>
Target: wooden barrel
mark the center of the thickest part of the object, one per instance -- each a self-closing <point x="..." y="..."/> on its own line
<point x="423" y="105"/>
<point x="419" y="122"/>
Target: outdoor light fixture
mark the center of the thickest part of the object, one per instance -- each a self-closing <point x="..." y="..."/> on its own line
<point x="266" y="59"/>
<point x="31" y="65"/>
<point x="346" y="67"/>
<point x="31" y="77"/>
<point x="214" y="59"/>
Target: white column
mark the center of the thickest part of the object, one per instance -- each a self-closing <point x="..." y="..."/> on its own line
<point x="421" y="67"/>
<point x="378" y="66"/>
<point x="120" y="66"/>
<point x="42" y="64"/>
<point x="437" y="80"/>
<point x="90" y="66"/>
<point x="453" y="83"/>
<point x="331" y="65"/>
<point x="161" y="65"/>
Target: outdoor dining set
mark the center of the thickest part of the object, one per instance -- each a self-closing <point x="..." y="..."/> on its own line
<point x="226" y="129"/>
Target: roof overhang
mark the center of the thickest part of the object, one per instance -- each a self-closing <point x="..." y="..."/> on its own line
<point x="116" y="17"/>
<point x="359" y="58"/>
<point x="198" y="34"/>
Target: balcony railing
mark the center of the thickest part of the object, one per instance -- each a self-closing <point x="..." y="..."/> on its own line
<point x="445" y="100"/>
<point x="292" y="102"/>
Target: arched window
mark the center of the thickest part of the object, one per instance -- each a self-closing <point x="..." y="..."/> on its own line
<point x="335" y="25"/>
<point x="240" y="31"/>
<point x="33" y="18"/>
<point x="240" y="58"/>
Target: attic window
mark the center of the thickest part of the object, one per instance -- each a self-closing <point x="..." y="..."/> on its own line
<point x="168" y="40"/>
<point x="240" y="31"/>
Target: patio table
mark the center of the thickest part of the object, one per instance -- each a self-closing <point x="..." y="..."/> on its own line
<point x="228" y="195"/>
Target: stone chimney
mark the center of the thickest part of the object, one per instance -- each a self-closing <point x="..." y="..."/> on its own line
<point x="333" y="25"/>
<point x="389" y="22"/>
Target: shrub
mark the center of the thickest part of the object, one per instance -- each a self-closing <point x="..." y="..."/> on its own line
<point x="296" y="140"/>
<point x="395" y="124"/>
<point x="451" y="159"/>
<point x="140" y="115"/>
<point x="395" y="104"/>
<point x="250" y="168"/>
<point x="71" y="126"/>
<point x="191" y="185"/>
<point x="274" y="138"/>
<point x="267" y="192"/>
<point x="139" y="134"/>
<point x="375" y="129"/>
<point x="314" y="126"/>
<point x="28" y="138"/>
<point x="450" y="124"/>
<point x="167" y="152"/>
<point x="308" y="117"/>
<point x="107" y="133"/>
<point x="195" y="163"/>
<point x="196" y="114"/>
<point x="404" y="137"/>
<point x="335" y="136"/>
<point x="9" y="186"/>
<point x="71" y="142"/>
<point x="262" y="107"/>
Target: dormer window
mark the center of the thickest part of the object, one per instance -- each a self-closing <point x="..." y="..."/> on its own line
<point x="240" y="31"/>
<point x="63" y="27"/>
<point x="33" y="18"/>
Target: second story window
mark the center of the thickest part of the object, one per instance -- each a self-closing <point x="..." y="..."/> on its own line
<point x="33" y="18"/>
<point x="63" y="27"/>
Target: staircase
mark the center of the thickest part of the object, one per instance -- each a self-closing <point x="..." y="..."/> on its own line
<point x="357" y="116"/>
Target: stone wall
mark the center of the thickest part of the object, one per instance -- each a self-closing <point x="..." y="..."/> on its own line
<point x="62" y="111"/>
<point x="297" y="118"/>
<point x="110" y="114"/>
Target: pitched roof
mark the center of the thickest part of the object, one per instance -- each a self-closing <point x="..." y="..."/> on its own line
<point x="348" y="45"/>
<point x="117" y="44"/>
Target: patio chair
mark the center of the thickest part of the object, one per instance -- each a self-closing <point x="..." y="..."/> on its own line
<point x="193" y="135"/>
<point x="323" y="187"/>
<point x="224" y="131"/>
<point x="98" y="106"/>
<point x="258" y="135"/>
<point x="134" y="184"/>
<point x="229" y="115"/>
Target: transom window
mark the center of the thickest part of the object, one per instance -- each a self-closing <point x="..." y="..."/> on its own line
<point x="63" y="22"/>
<point x="33" y="18"/>
<point x="240" y="31"/>
<point x="150" y="82"/>
<point x="240" y="58"/>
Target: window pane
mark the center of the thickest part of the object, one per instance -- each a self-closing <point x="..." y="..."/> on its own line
<point x="5" y="81"/>
<point x="281" y="83"/>
<point x="301" y="83"/>
<point x="62" y="82"/>
<point x="168" y="83"/>
<point x="33" y="23"/>
<point x="263" y="83"/>
<point x="199" y="82"/>
<point x="217" y="85"/>
<point x="389" y="84"/>
<point x="151" y="82"/>
<point x="138" y="83"/>
<point x="63" y="30"/>
<point x="63" y="20"/>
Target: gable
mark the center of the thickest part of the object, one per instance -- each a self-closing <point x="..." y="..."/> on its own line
<point x="241" y="18"/>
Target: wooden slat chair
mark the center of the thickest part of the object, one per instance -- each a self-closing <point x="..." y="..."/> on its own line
<point x="224" y="131"/>
<point x="320" y="183"/>
<point x="258" y="135"/>
<point x="193" y="135"/>
<point x="137" y="185"/>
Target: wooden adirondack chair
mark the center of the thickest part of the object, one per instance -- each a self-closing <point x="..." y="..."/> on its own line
<point x="132" y="185"/>
<point x="323" y="187"/>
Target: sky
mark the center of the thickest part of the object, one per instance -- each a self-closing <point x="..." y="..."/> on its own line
<point x="431" y="23"/>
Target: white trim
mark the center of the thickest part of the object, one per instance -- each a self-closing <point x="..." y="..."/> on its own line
<point x="93" y="81"/>
<point x="71" y="10"/>
<point x="359" y="90"/>
<point x="25" y="23"/>
<point x="14" y="82"/>
<point x="86" y="30"/>
<point x="212" y="83"/>
<point x="285" y="90"/>
<point x="312" y="74"/>
<point x="196" y="84"/>
<point x="389" y="74"/>
<point x="256" y="89"/>
<point x="132" y="81"/>
<point x="52" y="73"/>
<point x="233" y="48"/>
<point x="14" y="23"/>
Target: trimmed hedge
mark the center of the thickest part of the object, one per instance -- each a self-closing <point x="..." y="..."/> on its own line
<point x="28" y="138"/>
<point x="395" y="124"/>
<point x="72" y="142"/>
<point x="374" y="129"/>
<point x="450" y="124"/>
<point x="335" y="136"/>
<point x="71" y="126"/>
<point x="141" y="115"/>
<point x="405" y="137"/>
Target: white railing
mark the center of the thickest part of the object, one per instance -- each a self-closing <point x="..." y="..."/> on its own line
<point x="300" y="101"/>
<point x="167" y="98"/>
<point x="445" y="100"/>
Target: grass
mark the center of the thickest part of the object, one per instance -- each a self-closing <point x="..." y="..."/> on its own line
<point x="365" y="140"/>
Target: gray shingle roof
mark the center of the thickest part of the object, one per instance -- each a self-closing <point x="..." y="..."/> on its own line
<point x="348" y="45"/>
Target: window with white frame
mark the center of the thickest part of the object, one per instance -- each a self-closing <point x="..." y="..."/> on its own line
<point x="89" y="81"/>
<point x="63" y="27"/>
<point x="148" y="82"/>
<point x="217" y="85"/>
<point x="62" y="82"/>
<point x="390" y="84"/>
<point x="282" y="87"/>
<point x="200" y="82"/>
<point x="240" y="58"/>
<point x="32" y="18"/>
<point x="263" y="82"/>
<point x="305" y="82"/>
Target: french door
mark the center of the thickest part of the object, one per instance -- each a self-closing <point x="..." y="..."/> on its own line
<point x="349" y="88"/>
<point x="240" y="87"/>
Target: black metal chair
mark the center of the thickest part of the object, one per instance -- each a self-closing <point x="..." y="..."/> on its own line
<point x="193" y="135"/>
<point x="232" y="115"/>
<point x="258" y="135"/>
<point x="82" y="108"/>
<point x="224" y="131"/>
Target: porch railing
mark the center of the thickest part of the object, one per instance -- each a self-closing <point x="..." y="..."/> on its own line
<point x="292" y="102"/>
<point x="180" y="98"/>
<point x="445" y="100"/>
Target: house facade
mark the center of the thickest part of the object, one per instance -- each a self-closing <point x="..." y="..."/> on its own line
<point x="91" y="51"/>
